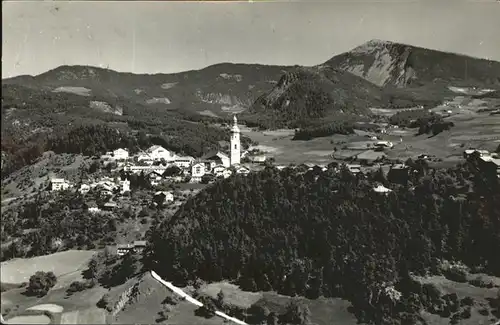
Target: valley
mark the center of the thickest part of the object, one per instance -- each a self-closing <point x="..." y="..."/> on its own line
<point x="291" y="233"/>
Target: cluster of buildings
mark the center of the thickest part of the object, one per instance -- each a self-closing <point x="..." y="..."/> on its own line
<point x="156" y="160"/>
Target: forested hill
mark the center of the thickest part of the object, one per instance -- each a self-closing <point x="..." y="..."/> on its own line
<point x="325" y="233"/>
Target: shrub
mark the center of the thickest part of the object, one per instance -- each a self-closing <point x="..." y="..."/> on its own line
<point x="208" y="308"/>
<point x="40" y="283"/>
<point x="456" y="274"/>
<point x="76" y="286"/>
<point x="104" y="302"/>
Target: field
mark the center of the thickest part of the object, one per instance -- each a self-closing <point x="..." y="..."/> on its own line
<point x="65" y="265"/>
<point x="324" y="311"/>
<point x="68" y="267"/>
<point x="472" y="128"/>
<point x="79" y="308"/>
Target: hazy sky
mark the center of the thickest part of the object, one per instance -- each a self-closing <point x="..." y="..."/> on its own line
<point x="150" y="37"/>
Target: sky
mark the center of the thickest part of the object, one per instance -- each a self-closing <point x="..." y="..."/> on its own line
<point x="166" y="37"/>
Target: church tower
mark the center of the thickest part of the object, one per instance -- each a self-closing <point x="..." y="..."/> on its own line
<point x="235" y="143"/>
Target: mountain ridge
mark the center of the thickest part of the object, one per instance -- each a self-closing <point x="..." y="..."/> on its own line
<point x="401" y="65"/>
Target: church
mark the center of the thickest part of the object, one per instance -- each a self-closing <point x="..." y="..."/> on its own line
<point x="219" y="158"/>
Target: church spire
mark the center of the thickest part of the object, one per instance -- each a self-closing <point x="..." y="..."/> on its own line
<point x="235" y="120"/>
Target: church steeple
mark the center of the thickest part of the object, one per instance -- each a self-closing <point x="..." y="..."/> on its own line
<point x="235" y="143"/>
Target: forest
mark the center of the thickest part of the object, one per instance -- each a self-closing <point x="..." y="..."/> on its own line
<point x="324" y="130"/>
<point x="66" y="123"/>
<point x="314" y="233"/>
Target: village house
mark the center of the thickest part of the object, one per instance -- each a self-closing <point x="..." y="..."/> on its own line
<point x="221" y="171"/>
<point x="125" y="186"/>
<point x="382" y="189"/>
<point x="120" y="154"/>
<point x="468" y="153"/>
<point x="109" y="206"/>
<point x="384" y="144"/>
<point x="258" y="159"/>
<point x="159" y="153"/>
<point x="197" y="171"/>
<point x="137" y="246"/>
<point x="107" y="156"/>
<point x="218" y="158"/>
<point x="242" y="170"/>
<point x="84" y="189"/>
<point x="184" y="162"/>
<point x="354" y="168"/>
<point x="59" y="184"/>
<point x="123" y="249"/>
<point x="92" y="207"/>
<point x="169" y="197"/>
<point x="155" y="178"/>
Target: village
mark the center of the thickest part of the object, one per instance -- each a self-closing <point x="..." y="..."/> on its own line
<point x="161" y="166"/>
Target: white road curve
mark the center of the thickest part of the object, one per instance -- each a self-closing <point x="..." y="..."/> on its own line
<point x="192" y="300"/>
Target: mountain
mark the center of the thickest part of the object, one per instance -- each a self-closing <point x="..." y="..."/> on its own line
<point x="399" y="65"/>
<point x="216" y="90"/>
<point x="314" y="93"/>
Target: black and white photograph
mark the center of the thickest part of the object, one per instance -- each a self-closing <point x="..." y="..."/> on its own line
<point x="250" y="162"/>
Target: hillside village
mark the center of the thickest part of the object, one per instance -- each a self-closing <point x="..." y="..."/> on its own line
<point x="361" y="190"/>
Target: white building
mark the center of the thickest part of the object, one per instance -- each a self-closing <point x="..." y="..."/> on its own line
<point x="59" y="184"/>
<point x="120" y="154"/>
<point x="235" y="143"/>
<point x="169" y="197"/>
<point x="184" y="162"/>
<point x="125" y="186"/>
<point x="214" y="158"/>
<point x="158" y="153"/>
<point x="84" y="188"/>
<point x="386" y="144"/>
<point x="221" y="171"/>
<point x="242" y="170"/>
<point x="382" y="189"/>
<point x="197" y="171"/>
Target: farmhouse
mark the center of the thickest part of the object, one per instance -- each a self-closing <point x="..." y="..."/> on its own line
<point x="136" y="247"/>
<point x="59" y="184"/>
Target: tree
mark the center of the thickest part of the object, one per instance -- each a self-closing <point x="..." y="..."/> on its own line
<point x="220" y="299"/>
<point x="296" y="313"/>
<point x="208" y="309"/>
<point x="272" y="319"/>
<point x="104" y="302"/>
<point x="40" y="283"/>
